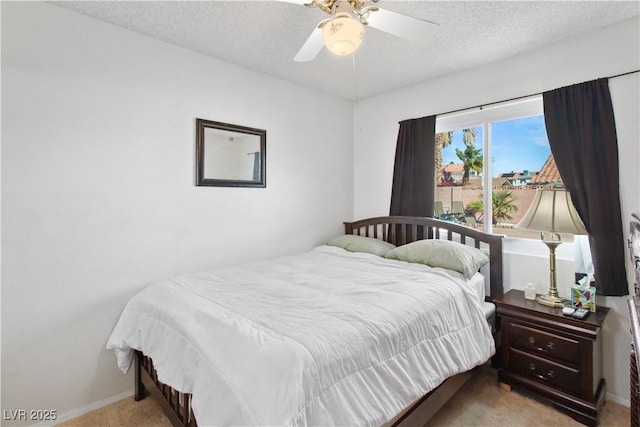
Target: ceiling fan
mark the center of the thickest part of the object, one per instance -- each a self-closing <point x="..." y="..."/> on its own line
<point x="343" y="32"/>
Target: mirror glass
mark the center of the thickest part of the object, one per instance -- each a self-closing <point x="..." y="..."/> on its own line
<point x="230" y="155"/>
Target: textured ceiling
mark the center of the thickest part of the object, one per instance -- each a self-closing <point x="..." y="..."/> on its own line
<point x="266" y="35"/>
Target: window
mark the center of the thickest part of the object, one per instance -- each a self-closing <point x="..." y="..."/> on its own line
<point x="502" y="148"/>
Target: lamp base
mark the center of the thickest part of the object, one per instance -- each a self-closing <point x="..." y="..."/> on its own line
<point x="551" y="301"/>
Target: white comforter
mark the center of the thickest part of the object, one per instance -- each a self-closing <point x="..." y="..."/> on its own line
<point x="327" y="337"/>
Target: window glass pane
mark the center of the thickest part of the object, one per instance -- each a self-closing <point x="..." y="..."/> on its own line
<point x="521" y="162"/>
<point x="459" y="166"/>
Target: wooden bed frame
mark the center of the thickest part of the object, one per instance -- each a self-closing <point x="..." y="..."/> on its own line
<point x="398" y="230"/>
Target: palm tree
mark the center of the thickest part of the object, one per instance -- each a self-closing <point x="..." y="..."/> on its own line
<point x="469" y="136"/>
<point x="502" y="206"/>
<point x="471" y="159"/>
<point x="443" y="140"/>
<point x="476" y="206"/>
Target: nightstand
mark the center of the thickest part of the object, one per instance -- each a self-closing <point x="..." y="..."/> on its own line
<point x="553" y="356"/>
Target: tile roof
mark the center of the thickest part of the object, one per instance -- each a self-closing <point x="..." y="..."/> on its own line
<point x="548" y="173"/>
<point x="453" y="167"/>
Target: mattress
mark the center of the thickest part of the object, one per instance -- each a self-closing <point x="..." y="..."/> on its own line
<point x="326" y="337"/>
<point x="479" y="282"/>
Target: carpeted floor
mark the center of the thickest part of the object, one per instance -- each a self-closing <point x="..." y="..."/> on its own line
<point x="480" y="402"/>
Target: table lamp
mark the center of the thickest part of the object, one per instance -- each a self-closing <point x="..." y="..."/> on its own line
<point x="552" y="212"/>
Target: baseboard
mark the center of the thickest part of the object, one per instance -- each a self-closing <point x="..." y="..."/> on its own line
<point x="617" y="399"/>
<point x="86" y="409"/>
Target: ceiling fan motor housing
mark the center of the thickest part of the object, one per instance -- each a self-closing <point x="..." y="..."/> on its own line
<point x="342" y="34"/>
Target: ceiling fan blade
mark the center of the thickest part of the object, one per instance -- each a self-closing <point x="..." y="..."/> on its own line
<point x="402" y="25"/>
<point x="311" y="48"/>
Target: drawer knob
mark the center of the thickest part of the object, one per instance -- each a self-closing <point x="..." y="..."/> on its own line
<point x="550" y="345"/>
<point x="549" y="374"/>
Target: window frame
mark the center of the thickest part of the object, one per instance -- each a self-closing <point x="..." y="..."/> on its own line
<point x="484" y="116"/>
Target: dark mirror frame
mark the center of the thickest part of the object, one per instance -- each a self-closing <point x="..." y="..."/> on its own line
<point x="201" y="125"/>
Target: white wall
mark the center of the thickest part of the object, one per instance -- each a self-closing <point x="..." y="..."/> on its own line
<point x="98" y="194"/>
<point x="602" y="53"/>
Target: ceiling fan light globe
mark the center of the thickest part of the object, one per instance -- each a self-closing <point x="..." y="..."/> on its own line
<point x="342" y="35"/>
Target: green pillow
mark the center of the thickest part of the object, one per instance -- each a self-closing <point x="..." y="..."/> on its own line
<point x="442" y="253"/>
<point x="355" y="243"/>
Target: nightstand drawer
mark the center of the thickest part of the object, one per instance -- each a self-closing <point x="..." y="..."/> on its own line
<point x="545" y="344"/>
<point x="545" y="371"/>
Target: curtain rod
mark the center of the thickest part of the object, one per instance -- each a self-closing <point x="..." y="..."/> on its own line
<point x="522" y="97"/>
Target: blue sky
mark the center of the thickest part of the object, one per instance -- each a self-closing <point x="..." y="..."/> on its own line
<point x="518" y="145"/>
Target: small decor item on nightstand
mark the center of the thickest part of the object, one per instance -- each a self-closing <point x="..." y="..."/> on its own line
<point x="530" y="291"/>
<point x="580" y="313"/>
<point x="583" y="297"/>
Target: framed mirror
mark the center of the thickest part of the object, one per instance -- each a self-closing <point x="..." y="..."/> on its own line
<point x="230" y="155"/>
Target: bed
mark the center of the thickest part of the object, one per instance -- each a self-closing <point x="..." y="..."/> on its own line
<point x="333" y="336"/>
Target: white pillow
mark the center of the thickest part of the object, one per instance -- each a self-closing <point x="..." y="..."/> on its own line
<point x="442" y="253"/>
<point x="355" y="243"/>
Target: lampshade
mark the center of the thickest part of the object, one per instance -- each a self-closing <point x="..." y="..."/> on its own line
<point x="342" y="35"/>
<point x="552" y="210"/>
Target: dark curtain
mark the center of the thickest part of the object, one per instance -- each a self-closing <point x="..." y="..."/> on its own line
<point x="582" y="135"/>
<point x="414" y="168"/>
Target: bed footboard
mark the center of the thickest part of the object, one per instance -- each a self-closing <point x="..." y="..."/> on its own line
<point x="175" y="405"/>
